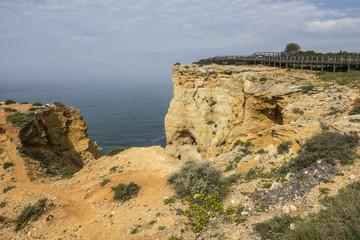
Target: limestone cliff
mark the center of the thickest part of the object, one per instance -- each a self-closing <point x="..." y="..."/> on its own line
<point x="214" y="106"/>
<point x="60" y="130"/>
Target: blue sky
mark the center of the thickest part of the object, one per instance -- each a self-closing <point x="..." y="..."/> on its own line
<point x="106" y="40"/>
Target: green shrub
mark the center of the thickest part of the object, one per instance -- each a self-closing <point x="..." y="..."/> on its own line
<point x="275" y="227"/>
<point x="284" y="147"/>
<point x="123" y="192"/>
<point x="212" y="103"/>
<point x="37" y="104"/>
<point x="298" y="111"/>
<point x="177" y="64"/>
<point x="355" y="110"/>
<point x="327" y="146"/>
<point x="7" y="109"/>
<point x="104" y="182"/>
<point x="339" y="220"/>
<point x="196" y="177"/>
<point x="9" y="101"/>
<point x="210" y="122"/>
<point x="19" y="119"/>
<point x="24" y="103"/>
<point x="59" y="104"/>
<point x="54" y="165"/>
<point x="161" y="228"/>
<point x="342" y="78"/>
<point x="2" y="204"/>
<point x="114" y="151"/>
<point x="307" y="88"/>
<point x="135" y="230"/>
<point x="30" y="213"/>
<point x="7" y="165"/>
<point x="8" y="188"/>
<point x="233" y="178"/>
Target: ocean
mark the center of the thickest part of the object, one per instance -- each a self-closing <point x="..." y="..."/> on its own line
<point x="119" y="114"/>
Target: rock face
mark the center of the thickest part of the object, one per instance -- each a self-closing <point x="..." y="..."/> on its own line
<point x="62" y="131"/>
<point x="214" y="106"/>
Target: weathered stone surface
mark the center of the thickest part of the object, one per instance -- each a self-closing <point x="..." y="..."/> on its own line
<point x="62" y="131"/>
<point x="214" y="106"/>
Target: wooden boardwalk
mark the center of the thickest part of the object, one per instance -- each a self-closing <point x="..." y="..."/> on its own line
<point x="275" y="59"/>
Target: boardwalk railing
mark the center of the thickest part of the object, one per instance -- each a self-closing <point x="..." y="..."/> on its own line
<point x="351" y="61"/>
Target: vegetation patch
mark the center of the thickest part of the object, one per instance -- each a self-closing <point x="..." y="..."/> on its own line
<point x="203" y="187"/>
<point x="19" y="119"/>
<point x="356" y="108"/>
<point x="350" y="78"/>
<point x="327" y="146"/>
<point x="114" y="151"/>
<point x="124" y="192"/>
<point x="307" y="88"/>
<point x="59" y="104"/>
<point x="339" y="220"/>
<point x="7" y="109"/>
<point x="276" y="227"/>
<point x="30" y="213"/>
<point x="8" y="188"/>
<point x="212" y="103"/>
<point x="196" y="177"/>
<point x="284" y="147"/>
<point x="104" y="182"/>
<point x="53" y="164"/>
<point x="298" y="111"/>
<point x="2" y="204"/>
<point x="9" y="101"/>
<point x="37" y="104"/>
<point x="6" y="165"/>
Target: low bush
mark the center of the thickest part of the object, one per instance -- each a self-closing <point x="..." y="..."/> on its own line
<point x="339" y="220"/>
<point x="7" y="109"/>
<point x="2" y="204"/>
<point x="54" y="165"/>
<point x="123" y="192"/>
<point x="233" y="178"/>
<point x="298" y="111"/>
<point x="355" y="110"/>
<point x="9" y="101"/>
<point x="104" y="182"/>
<point x="6" y="165"/>
<point x="284" y="147"/>
<point x="114" y="151"/>
<point x="307" y="88"/>
<point x="8" y="188"/>
<point x="59" y="104"/>
<point x="19" y="119"/>
<point x="328" y="146"/>
<point x="30" y="213"/>
<point x="37" y="104"/>
<point x="275" y="227"/>
<point x="196" y="177"/>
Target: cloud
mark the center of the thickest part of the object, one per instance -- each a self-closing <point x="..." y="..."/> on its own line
<point x="114" y="36"/>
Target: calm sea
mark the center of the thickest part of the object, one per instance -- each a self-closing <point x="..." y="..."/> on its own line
<point x="119" y="114"/>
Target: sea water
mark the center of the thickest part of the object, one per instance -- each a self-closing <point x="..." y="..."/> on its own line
<point x="119" y="113"/>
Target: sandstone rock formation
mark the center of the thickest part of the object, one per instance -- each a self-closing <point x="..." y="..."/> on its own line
<point x="61" y="130"/>
<point x="214" y="106"/>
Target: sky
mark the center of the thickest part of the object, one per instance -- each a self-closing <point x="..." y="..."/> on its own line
<point x="114" y="40"/>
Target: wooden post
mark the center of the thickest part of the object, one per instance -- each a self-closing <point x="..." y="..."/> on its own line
<point x="286" y="61"/>
<point x="302" y="62"/>
<point x="322" y="63"/>
<point x="334" y="69"/>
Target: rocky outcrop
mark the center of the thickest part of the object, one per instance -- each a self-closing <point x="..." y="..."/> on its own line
<point x="214" y="106"/>
<point x="62" y="131"/>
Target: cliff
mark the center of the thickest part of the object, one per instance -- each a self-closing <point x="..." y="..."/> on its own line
<point x="245" y="121"/>
<point x="215" y="106"/>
